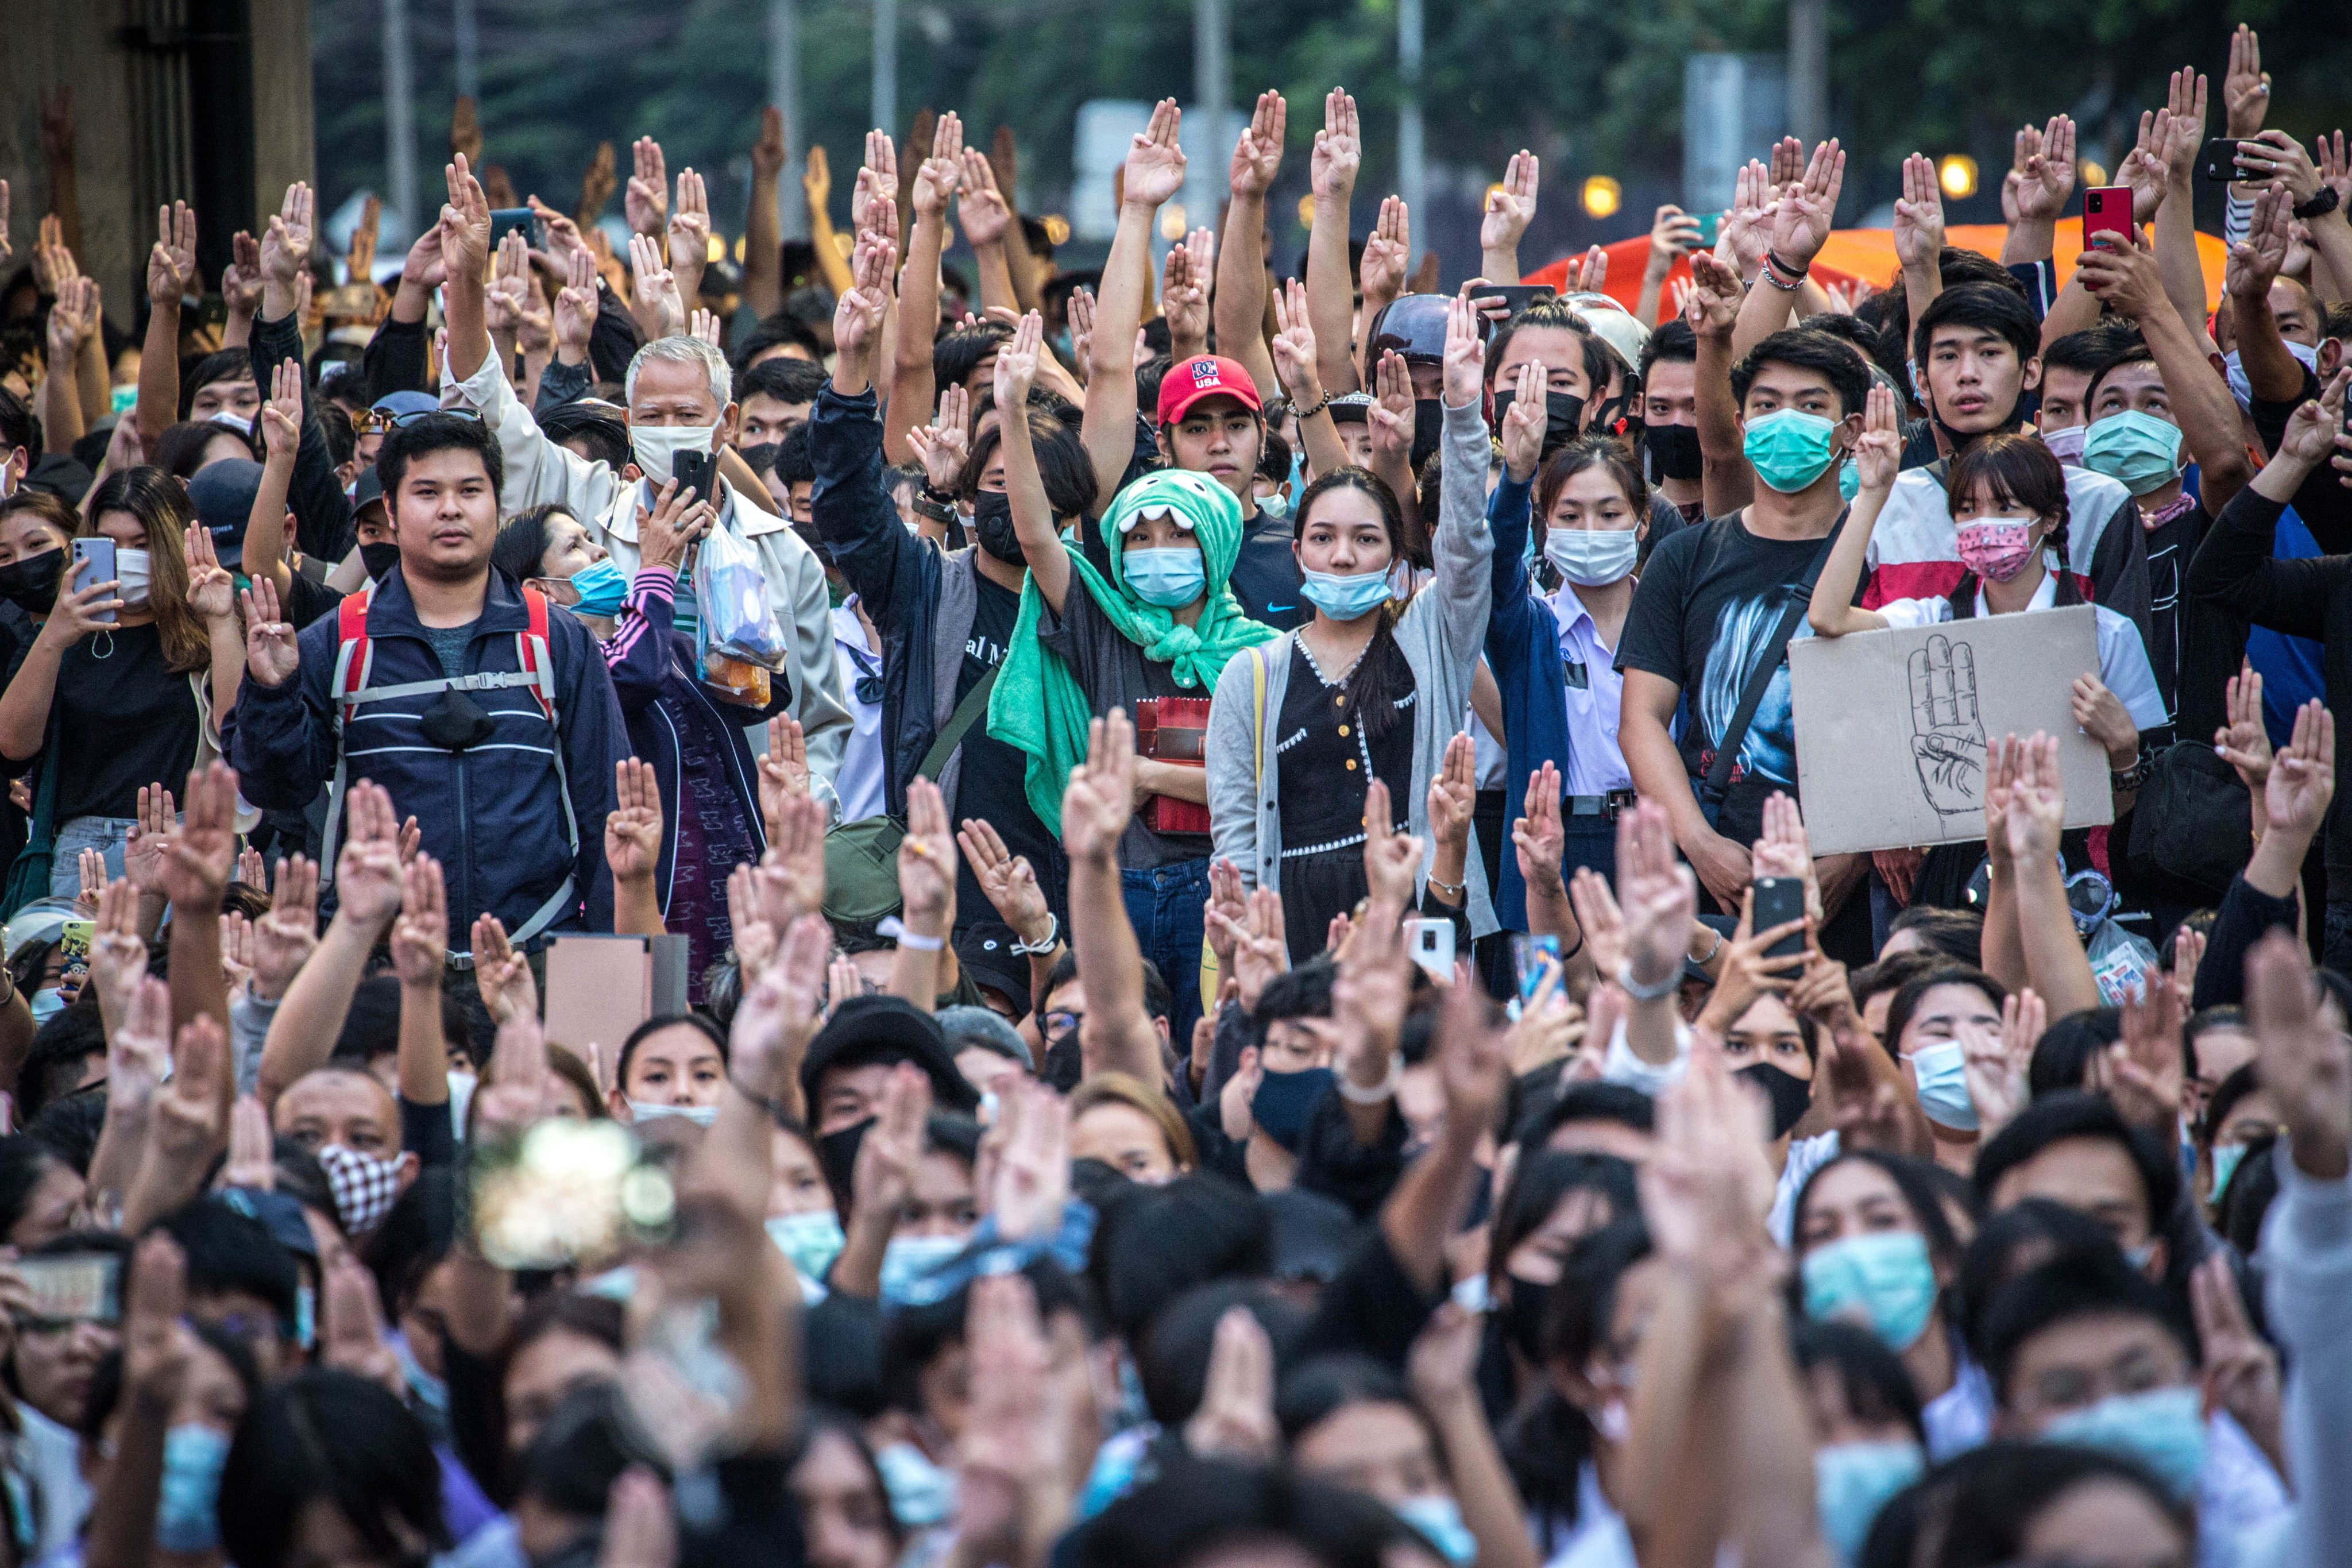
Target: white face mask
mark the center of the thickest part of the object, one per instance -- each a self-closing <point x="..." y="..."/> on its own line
<point x="130" y="567"/>
<point x="2066" y="445"/>
<point x="653" y="446"/>
<point x="701" y="1115"/>
<point x="1592" y="557"/>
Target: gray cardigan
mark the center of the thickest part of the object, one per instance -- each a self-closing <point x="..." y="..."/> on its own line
<point x="1440" y="632"/>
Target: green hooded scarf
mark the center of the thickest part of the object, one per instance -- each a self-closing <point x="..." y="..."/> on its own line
<point x="1038" y="706"/>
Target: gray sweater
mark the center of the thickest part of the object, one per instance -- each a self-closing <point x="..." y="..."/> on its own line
<point x="1441" y="633"/>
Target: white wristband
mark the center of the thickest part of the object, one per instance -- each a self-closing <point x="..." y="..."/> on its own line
<point x="891" y="927"/>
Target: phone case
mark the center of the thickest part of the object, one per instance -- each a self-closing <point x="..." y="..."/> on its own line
<point x="2107" y="209"/>
<point x="1173" y="730"/>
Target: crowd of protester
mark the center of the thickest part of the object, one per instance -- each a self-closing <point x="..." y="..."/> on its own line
<point x="1092" y="1141"/>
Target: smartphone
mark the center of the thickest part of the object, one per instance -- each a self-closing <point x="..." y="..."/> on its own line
<point x="1517" y="297"/>
<point x="2218" y="161"/>
<point x="1527" y="956"/>
<point x="1429" y="944"/>
<point x="568" y="1193"/>
<point x="73" y="949"/>
<point x="505" y="221"/>
<point x="1778" y="900"/>
<point x="83" y="1288"/>
<point x="2107" y="209"/>
<point x="93" y="562"/>
<point x="699" y="469"/>
<point x="1711" y="226"/>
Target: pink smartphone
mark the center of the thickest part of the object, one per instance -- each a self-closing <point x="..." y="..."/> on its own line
<point x="2107" y="209"/>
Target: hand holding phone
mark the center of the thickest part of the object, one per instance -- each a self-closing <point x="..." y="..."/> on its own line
<point x="1778" y="900"/>
<point x="699" y="470"/>
<point x="93" y="562"/>
<point x="2107" y="209"/>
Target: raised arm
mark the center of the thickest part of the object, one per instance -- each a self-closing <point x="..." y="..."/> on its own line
<point x="2040" y="178"/>
<point x="465" y="255"/>
<point x="1330" y="291"/>
<point x="2054" y="961"/>
<point x="420" y="950"/>
<point x="927" y="883"/>
<point x="1510" y="207"/>
<point x="986" y="214"/>
<point x="170" y="268"/>
<point x="1116" y="1036"/>
<point x="912" y="384"/>
<point x="1379" y="279"/>
<point x="1726" y="482"/>
<point x="1673" y="232"/>
<point x="1155" y="172"/>
<point x="1024" y="487"/>
<point x="1919" y="236"/>
<point x="1239" y="298"/>
<point x="1799" y="223"/>
<point x="1298" y="364"/>
<point x="763" y="222"/>
<point x="1833" y="612"/>
<point x="368" y="895"/>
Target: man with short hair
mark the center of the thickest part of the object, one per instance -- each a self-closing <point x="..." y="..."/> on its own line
<point x="677" y="401"/>
<point x="776" y="395"/>
<point x="1670" y="456"/>
<point x="511" y="774"/>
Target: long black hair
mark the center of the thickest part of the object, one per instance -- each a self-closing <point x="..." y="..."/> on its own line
<point x="1381" y="678"/>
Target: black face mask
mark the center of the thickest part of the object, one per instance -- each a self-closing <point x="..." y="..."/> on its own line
<point x="1791" y="1096"/>
<point x="31" y="583"/>
<point x="836" y="1156"/>
<point x="1428" y="427"/>
<point x="1674" y="451"/>
<point x="379" y="559"/>
<point x="991" y="523"/>
<point x="1563" y="417"/>
<point x="1523" y="1317"/>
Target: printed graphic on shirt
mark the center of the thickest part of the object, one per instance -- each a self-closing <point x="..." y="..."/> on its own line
<point x="1741" y="629"/>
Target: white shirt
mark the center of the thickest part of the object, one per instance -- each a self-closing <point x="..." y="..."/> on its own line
<point x="1595" y="694"/>
<point x="2124" y="668"/>
<point x="860" y="783"/>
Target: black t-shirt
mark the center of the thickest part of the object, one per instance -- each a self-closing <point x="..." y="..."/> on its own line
<point x="306" y="600"/>
<point x="123" y="720"/>
<point x="1710" y="599"/>
<point x="1265" y="576"/>
<point x="990" y="786"/>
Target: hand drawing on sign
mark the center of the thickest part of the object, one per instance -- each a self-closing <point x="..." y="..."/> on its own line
<point x="1948" y="740"/>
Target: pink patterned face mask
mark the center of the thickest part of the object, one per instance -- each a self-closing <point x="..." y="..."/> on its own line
<point x="1996" y="548"/>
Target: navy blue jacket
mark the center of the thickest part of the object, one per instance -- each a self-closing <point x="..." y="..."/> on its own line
<point x="492" y="815"/>
<point x="1523" y="650"/>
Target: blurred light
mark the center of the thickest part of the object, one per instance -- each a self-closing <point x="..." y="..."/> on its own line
<point x="1307" y="212"/>
<point x="1957" y="174"/>
<point x="2094" y="173"/>
<point x="1602" y="197"/>
<point x="1171" y="221"/>
<point x="1057" y="229"/>
<point x="718" y="249"/>
<point x="739" y="249"/>
<point x="845" y="242"/>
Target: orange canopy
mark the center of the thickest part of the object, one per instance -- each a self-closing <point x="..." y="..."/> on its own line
<point x="1865" y="256"/>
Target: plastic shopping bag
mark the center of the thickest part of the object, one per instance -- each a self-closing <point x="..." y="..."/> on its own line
<point x="732" y="595"/>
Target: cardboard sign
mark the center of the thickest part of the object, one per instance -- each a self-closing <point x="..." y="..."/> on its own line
<point x="1892" y="725"/>
<point x="601" y="987"/>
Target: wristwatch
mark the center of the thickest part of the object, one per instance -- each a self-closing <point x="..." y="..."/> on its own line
<point x="2127" y="779"/>
<point x="2320" y="205"/>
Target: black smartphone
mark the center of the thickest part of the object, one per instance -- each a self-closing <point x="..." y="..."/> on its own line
<point x="1517" y="297"/>
<point x="2218" y="161"/>
<point x="505" y="221"/>
<point x="1778" y="900"/>
<point x="699" y="469"/>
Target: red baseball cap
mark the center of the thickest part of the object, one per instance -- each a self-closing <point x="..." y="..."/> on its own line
<point x="1204" y="375"/>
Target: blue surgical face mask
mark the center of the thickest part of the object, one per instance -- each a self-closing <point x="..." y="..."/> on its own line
<point x="46" y="1003"/>
<point x="2163" y="1428"/>
<point x="922" y="1494"/>
<point x="431" y="1392"/>
<point x="602" y="587"/>
<point x="1941" y="1069"/>
<point x="2225" y="1165"/>
<point x="1884" y="1275"/>
<point x="1851" y="1481"/>
<point x="1788" y="449"/>
<point x="909" y="1258"/>
<point x="2138" y="451"/>
<point x="1283" y="1100"/>
<point x="1439" y="1517"/>
<point x="1170" y="578"/>
<point x="187" y="1511"/>
<point x="1345" y="598"/>
<point x="810" y="1240"/>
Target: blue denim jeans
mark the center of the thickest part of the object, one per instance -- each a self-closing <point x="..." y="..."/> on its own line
<point x="108" y="834"/>
<point x="1168" y="906"/>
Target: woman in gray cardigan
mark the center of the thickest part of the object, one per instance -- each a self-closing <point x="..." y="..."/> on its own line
<point x="1366" y="689"/>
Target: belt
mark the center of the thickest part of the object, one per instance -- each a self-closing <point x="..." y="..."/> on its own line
<point x="1607" y="806"/>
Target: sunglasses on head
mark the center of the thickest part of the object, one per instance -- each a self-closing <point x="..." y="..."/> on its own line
<point x="368" y="421"/>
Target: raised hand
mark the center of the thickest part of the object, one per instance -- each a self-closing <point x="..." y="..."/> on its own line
<point x="2302" y="1056"/>
<point x="654" y="296"/>
<point x="633" y="831"/>
<point x="172" y="263"/>
<point x="271" y="655"/>
<point x="942" y="446"/>
<point x="1453" y="793"/>
<point x="645" y="202"/>
<point x="1879" y="453"/>
<point x="1660" y="897"/>
<point x="2143" y="1071"/>
<point x="1008" y="880"/>
<point x="464" y="223"/>
<point x="240" y="280"/>
<point x="157" y="1347"/>
<point x="2045" y="171"/>
<point x="1033" y="1168"/>
<point x="1523" y="427"/>
<point x="197" y="867"/>
<point x="2303" y="775"/>
<point x="768" y="150"/>
<point x="575" y="306"/>
<point x="2124" y="275"/>
<point x="1392" y="859"/>
<point x="286" y="245"/>
<point x="118" y="958"/>
<point x="285" y="937"/>
<point x="1016" y="361"/>
<point x="211" y="591"/>
<point x="190" y="1120"/>
<point x="1388" y="252"/>
<point x="1466" y="354"/>
<point x="1800" y="224"/>
<point x="1510" y="204"/>
<point x="893" y="1146"/>
<point x="501" y="973"/>
<point x="420" y="937"/>
<point x="1257" y="151"/>
<point x="1713" y="308"/>
<point x="857" y="318"/>
<point x="2245" y="86"/>
<point x="688" y="230"/>
<point x="981" y="207"/>
<point x="1100" y="799"/>
<point x="1184" y="292"/>
<point x="281" y="416"/>
<point x="1235" y="1417"/>
<point x="1919" y="214"/>
<point x="1785" y="851"/>
<point x="368" y="868"/>
<point x="936" y="177"/>
<point x="1598" y="916"/>
<point x="1155" y="161"/>
<point x="1294" y="343"/>
<point x="1258" y="940"/>
<point x="927" y="862"/>
<point x="2244" y="742"/>
<point x="150" y="839"/>
<point x="1339" y="149"/>
<point x="1540" y="838"/>
<point x="1391" y="416"/>
<point x="1745" y="232"/>
<point x="2036" y="813"/>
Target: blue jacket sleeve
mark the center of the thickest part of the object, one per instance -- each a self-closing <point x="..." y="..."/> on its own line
<point x="854" y="513"/>
<point x="1507" y="621"/>
<point x="281" y="738"/>
<point x="595" y="740"/>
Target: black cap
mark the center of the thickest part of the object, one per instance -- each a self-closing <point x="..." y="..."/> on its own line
<point x="1414" y="326"/>
<point x="866" y="1030"/>
<point x="223" y="495"/>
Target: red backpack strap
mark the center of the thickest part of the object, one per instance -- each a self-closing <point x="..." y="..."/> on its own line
<point x="531" y="653"/>
<point x="354" y="652"/>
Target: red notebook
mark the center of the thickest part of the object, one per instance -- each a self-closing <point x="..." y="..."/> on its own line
<point x="1173" y="730"/>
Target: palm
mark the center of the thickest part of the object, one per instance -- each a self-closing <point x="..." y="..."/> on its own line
<point x="211" y="592"/>
<point x="168" y="271"/>
<point x="1154" y="173"/>
<point x="271" y="655"/>
<point x="284" y="250"/>
<point x="1338" y="156"/>
<point x="1254" y="166"/>
<point x="2042" y="194"/>
<point x="633" y="841"/>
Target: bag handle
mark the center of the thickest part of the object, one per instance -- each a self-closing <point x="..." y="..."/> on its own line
<point x="967" y="713"/>
<point x="1751" y="695"/>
